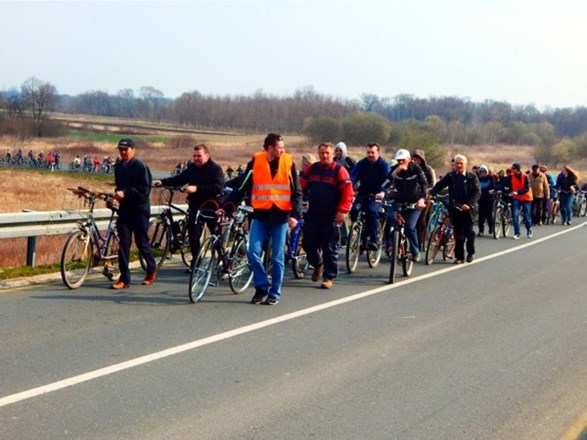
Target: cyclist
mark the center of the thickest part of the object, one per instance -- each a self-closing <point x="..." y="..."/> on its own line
<point x="132" y="179"/>
<point x="276" y="197"/>
<point x="464" y="192"/>
<point x="205" y="180"/>
<point x="342" y="158"/>
<point x="368" y="177"/>
<point x="410" y="186"/>
<point x="521" y="193"/>
<point x="486" y="200"/>
<point x="329" y="190"/>
<point x="567" y="184"/>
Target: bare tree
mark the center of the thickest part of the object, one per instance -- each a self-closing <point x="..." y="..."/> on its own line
<point x="39" y="99"/>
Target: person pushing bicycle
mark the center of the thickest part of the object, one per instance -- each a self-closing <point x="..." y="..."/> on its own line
<point x="409" y="186"/>
<point x="205" y="180"/>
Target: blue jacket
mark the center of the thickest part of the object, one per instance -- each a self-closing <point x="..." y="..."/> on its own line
<point x="371" y="176"/>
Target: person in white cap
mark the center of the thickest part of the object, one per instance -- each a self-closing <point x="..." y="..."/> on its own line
<point x="410" y="186"/>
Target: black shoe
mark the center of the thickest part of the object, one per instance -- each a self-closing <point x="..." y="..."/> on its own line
<point x="470" y="258"/>
<point x="373" y="246"/>
<point x="271" y="301"/>
<point x="258" y="296"/>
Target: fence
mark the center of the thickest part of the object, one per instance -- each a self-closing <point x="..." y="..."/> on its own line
<point x="33" y="224"/>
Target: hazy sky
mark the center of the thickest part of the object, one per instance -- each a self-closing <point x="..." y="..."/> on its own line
<point x="523" y="52"/>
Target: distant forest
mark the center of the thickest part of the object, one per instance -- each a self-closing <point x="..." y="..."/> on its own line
<point x="433" y="120"/>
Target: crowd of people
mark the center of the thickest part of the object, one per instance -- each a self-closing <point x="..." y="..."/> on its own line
<point x="336" y="187"/>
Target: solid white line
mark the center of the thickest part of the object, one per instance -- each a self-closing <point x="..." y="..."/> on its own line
<point x="91" y="375"/>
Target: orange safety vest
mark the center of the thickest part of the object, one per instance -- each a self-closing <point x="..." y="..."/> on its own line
<point x="267" y="190"/>
<point x="518" y="184"/>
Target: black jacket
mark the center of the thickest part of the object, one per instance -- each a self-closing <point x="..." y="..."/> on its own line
<point x="134" y="178"/>
<point x="209" y="179"/>
<point x="472" y="190"/>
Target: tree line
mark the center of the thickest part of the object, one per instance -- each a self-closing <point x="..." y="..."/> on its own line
<point x="403" y="119"/>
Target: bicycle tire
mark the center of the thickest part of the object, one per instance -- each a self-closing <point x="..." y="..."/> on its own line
<point x="300" y="262"/>
<point x="159" y="241"/>
<point x="241" y="273"/>
<point x="497" y="223"/>
<point x="554" y="212"/>
<point x="373" y="257"/>
<point x="434" y="244"/>
<point x="202" y="271"/>
<point x="583" y="209"/>
<point x="430" y="226"/>
<point x="184" y="238"/>
<point x="76" y="259"/>
<point x="393" y="255"/>
<point x="450" y="243"/>
<point x="406" y="257"/>
<point x="507" y="221"/>
<point x="353" y="248"/>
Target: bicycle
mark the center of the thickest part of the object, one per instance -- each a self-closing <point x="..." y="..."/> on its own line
<point x="294" y="249"/>
<point x="358" y="241"/>
<point x="553" y="208"/>
<point x="502" y="215"/>
<point x="86" y="246"/>
<point x="223" y="253"/>
<point x="442" y="237"/>
<point x="579" y="204"/>
<point x="166" y="235"/>
<point x="436" y="212"/>
<point x="399" y="250"/>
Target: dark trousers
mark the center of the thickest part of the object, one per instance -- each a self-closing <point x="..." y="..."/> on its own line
<point x="486" y="215"/>
<point x="321" y="243"/>
<point x="137" y="224"/>
<point x="371" y="209"/>
<point x="463" y="227"/>
<point x="195" y="230"/>
<point x="537" y="210"/>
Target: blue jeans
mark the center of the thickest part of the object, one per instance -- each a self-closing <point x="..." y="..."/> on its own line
<point x="260" y="230"/>
<point x="566" y="201"/>
<point x="527" y="211"/>
<point x="371" y="209"/>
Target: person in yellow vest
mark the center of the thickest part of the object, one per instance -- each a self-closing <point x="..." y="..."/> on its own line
<point x="521" y="193"/>
<point x="276" y="198"/>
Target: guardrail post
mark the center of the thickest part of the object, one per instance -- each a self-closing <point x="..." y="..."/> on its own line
<point x="31" y="246"/>
<point x="31" y="251"/>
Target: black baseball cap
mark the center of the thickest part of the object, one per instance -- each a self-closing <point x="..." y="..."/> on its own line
<point x="126" y="143"/>
<point x="516" y="166"/>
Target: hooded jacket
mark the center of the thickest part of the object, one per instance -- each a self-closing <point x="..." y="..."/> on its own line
<point x="344" y="160"/>
<point x="428" y="170"/>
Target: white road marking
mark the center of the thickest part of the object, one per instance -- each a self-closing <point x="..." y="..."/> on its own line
<point x="91" y="375"/>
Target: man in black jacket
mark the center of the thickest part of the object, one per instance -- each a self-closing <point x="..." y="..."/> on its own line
<point x="133" y="187"/>
<point x="464" y="192"/>
<point x="205" y="180"/>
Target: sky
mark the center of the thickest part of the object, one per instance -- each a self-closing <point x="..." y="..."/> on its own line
<point x="518" y="51"/>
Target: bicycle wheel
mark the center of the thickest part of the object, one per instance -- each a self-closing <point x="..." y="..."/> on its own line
<point x="184" y="243"/>
<point x="434" y="244"/>
<point x="159" y="241"/>
<point x="267" y="256"/>
<point x="241" y="273"/>
<point x="373" y="257"/>
<point x="450" y="243"/>
<point x="393" y="255"/>
<point x="202" y="270"/>
<point x="497" y="223"/>
<point x="554" y="211"/>
<point x="300" y="261"/>
<point x="406" y="257"/>
<point x="507" y="221"/>
<point x="583" y="208"/>
<point x="353" y="248"/>
<point x="430" y="226"/>
<point x="76" y="259"/>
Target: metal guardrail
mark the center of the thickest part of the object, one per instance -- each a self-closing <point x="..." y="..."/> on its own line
<point x="33" y="224"/>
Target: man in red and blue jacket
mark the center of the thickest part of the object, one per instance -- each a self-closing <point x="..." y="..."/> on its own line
<point x="329" y="191"/>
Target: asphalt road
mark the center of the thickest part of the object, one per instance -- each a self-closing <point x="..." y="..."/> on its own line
<point x="495" y="349"/>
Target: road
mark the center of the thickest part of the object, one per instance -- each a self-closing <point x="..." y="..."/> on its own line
<point x="495" y="349"/>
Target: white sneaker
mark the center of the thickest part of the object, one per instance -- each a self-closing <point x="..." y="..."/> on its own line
<point x="517" y="237"/>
